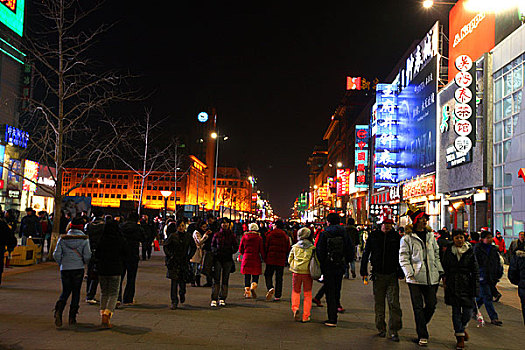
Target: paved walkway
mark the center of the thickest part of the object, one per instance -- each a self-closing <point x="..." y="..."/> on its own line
<point x="27" y="300"/>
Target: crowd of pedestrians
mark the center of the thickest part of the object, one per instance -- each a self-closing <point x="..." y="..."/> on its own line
<point x="468" y="265"/>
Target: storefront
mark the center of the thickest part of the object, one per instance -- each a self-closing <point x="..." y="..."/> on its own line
<point x="421" y="193"/>
<point x="388" y="198"/>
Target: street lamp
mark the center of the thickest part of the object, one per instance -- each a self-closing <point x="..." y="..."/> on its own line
<point x="217" y="137"/>
<point x="429" y="3"/>
<point x="166" y="195"/>
<point x="339" y="164"/>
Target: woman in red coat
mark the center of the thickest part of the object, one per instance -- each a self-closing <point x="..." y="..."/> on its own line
<point x="252" y="251"/>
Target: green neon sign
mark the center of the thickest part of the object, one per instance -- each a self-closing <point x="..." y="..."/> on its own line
<point x="12" y="15"/>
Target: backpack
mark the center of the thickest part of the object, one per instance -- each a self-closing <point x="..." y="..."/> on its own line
<point x="335" y="249"/>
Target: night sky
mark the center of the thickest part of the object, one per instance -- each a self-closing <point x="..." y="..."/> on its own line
<point x="275" y="72"/>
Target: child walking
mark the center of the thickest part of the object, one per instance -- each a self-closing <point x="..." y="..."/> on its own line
<point x="299" y="260"/>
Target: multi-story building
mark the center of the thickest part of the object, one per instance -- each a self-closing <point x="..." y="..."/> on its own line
<point x="234" y="192"/>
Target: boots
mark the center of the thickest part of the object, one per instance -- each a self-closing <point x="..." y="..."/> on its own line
<point x="106" y="317"/>
<point x="247" y="292"/>
<point x="59" y="309"/>
<point x="460" y="342"/>
<point x="253" y="289"/>
<point x="198" y="280"/>
<point x="73" y="311"/>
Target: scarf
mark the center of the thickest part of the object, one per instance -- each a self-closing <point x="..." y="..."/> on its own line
<point x="459" y="251"/>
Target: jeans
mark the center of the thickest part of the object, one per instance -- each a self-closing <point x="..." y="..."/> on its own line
<point x="333" y="280"/>
<point x="109" y="290"/>
<point x="220" y="280"/>
<point x="387" y="287"/>
<point x="146" y="250"/>
<point x="460" y="317"/>
<point x="130" y="272"/>
<point x="485" y="297"/>
<point x="248" y="279"/>
<point x="268" y="277"/>
<point x="92" y="281"/>
<point x="424" y="303"/>
<point x="181" y="286"/>
<point x="304" y="280"/>
<point x="71" y="284"/>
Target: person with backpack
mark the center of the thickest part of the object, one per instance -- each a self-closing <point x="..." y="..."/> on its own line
<point x="334" y="250"/>
<point x="419" y="259"/>
<point x="299" y="259"/>
<point x="224" y="244"/>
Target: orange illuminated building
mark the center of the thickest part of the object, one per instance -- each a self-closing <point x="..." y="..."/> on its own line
<point x="234" y="192"/>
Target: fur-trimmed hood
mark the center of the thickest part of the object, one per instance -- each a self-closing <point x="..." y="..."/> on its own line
<point x="409" y="229"/>
<point x="520" y="253"/>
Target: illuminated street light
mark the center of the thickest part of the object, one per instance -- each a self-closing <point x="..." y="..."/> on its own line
<point x="214" y="135"/>
<point x="166" y="195"/>
<point x="428" y="4"/>
<point x="339" y="164"/>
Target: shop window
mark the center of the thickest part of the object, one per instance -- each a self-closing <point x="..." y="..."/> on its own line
<point x="518" y="227"/>
<point x="498" y="222"/>
<point x="498" y="132"/>
<point x="517" y="78"/>
<point x="89" y="194"/>
<point x="507" y="84"/>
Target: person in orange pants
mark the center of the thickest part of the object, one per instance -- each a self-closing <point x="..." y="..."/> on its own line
<point x="299" y="260"/>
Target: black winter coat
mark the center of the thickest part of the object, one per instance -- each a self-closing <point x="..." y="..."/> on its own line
<point x="383" y="250"/>
<point x="461" y="277"/>
<point x="179" y="248"/>
<point x="517" y="272"/>
<point x="110" y="254"/>
<point x="134" y="235"/>
<point x="490" y="267"/>
<point x="94" y="231"/>
<point x="7" y="237"/>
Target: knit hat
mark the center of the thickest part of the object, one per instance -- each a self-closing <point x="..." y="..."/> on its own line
<point x="415" y="213"/>
<point x="253" y="227"/>
<point x="303" y="233"/>
<point x="485" y="234"/>
<point x="386" y="216"/>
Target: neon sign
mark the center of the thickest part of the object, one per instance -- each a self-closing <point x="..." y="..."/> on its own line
<point x="362" y="140"/>
<point x="343" y="182"/>
<point x="421" y="187"/>
<point x="12" y="15"/>
<point x="16" y="136"/>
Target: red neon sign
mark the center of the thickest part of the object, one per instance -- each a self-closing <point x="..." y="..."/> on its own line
<point x="421" y="187"/>
<point x="353" y="83"/>
<point x="10" y="4"/>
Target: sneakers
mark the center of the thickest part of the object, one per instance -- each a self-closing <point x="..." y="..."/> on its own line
<point x="306" y="320"/>
<point x="91" y="301"/>
<point x="317" y="302"/>
<point x="222" y="303"/>
<point x="213" y="303"/>
<point x="496" y="322"/>
<point x="341" y="309"/>
<point x="422" y="342"/>
<point x="330" y="324"/>
<point x="270" y="294"/>
<point x="276" y="299"/>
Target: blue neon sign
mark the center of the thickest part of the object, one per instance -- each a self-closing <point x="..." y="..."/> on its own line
<point x="16" y="137"/>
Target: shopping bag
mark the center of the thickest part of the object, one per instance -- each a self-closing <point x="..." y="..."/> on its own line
<point x="156" y="246"/>
<point x="315" y="267"/>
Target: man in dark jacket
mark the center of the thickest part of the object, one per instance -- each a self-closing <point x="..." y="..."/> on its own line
<point x="276" y="250"/>
<point x="382" y="247"/>
<point x="149" y="236"/>
<point x="490" y="271"/>
<point x="94" y="231"/>
<point x="7" y="239"/>
<point x="207" y="262"/>
<point x="133" y="234"/>
<point x="30" y="227"/>
<point x="334" y="250"/>
<point x="224" y="245"/>
<point x="351" y="230"/>
<point x="517" y="276"/>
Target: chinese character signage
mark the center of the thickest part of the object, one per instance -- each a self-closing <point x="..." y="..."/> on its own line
<point x="424" y="186"/>
<point x="387" y="145"/>
<point x="343" y="182"/>
<point x="353" y="83"/>
<point x="362" y="141"/>
<point x="12" y="15"/>
<point x="16" y="136"/>
<point x="30" y="176"/>
<point x="465" y="96"/>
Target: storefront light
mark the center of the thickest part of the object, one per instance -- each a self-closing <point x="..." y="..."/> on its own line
<point x="493" y="6"/>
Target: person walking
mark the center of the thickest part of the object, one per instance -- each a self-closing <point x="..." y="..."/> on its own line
<point x="461" y="283"/>
<point x="30" y="227"/>
<point x="490" y="272"/>
<point x="517" y="244"/>
<point x="334" y="250"/>
<point x="149" y="236"/>
<point x="419" y="259"/>
<point x="516" y="276"/>
<point x="200" y="235"/>
<point x="94" y="231"/>
<point x="351" y="230"/>
<point x="382" y="247"/>
<point x="207" y="259"/>
<point x="276" y="249"/>
<point x="252" y="251"/>
<point x="223" y="246"/>
<point x="72" y="252"/>
<point x="179" y="247"/>
<point x="7" y="240"/>
<point x="110" y="258"/>
<point x="299" y="259"/>
<point x="134" y="235"/>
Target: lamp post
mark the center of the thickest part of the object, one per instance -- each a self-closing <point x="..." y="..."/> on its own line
<point x="166" y="195"/>
<point x="217" y="137"/>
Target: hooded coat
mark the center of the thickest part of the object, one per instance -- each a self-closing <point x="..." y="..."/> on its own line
<point x="72" y="251"/>
<point x="490" y="263"/>
<point x="252" y="251"/>
<point x="517" y="272"/>
<point x="420" y="260"/>
<point x="461" y="275"/>
<point x="179" y="247"/>
<point x="300" y="256"/>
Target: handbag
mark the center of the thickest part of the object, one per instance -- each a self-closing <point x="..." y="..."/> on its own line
<point x="314" y="267"/>
<point x="156" y="245"/>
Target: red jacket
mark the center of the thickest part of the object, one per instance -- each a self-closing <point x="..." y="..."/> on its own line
<point x="501" y="244"/>
<point x="252" y="250"/>
<point x="276" y="248"/>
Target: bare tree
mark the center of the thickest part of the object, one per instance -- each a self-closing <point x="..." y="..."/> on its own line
<point x="67" y="120"/>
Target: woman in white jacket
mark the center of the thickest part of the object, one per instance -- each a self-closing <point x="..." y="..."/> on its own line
<point x="200" y="235"/>
<point x="419" y="259"/>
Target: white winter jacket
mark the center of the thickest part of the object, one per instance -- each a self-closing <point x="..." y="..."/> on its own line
<point x="420" y="260"/>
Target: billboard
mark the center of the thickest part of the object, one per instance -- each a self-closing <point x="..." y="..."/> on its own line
<point x="417" y="123"/>
<point x="12" y="15"/>
<point x="30" y="176"/>
<point x="362" y="142"/>
<point x="470" y="33"/>
<point x="343" y="182"/>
